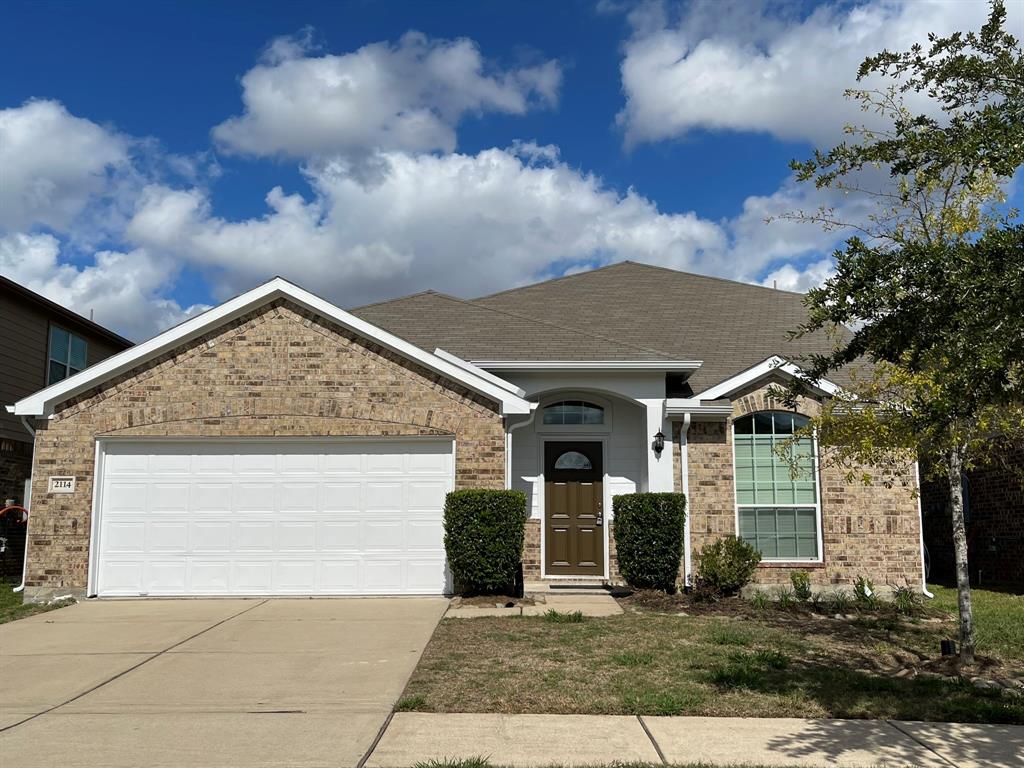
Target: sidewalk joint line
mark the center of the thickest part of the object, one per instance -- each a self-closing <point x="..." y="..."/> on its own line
<point x="654" y="742"/>
<point x="132" y="668"/>
<point x="376" y="739"/>
<point x="924" y="744"/>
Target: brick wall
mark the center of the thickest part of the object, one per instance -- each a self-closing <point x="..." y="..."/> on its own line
<point x="277" y="371"/>
<point x="995" y="524"/>
<point x="870" y="530"/>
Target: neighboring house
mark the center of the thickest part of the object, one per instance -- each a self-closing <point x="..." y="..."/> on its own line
<point x="277" y="444"/>
<point x="994" y="520"/>
<point x="41" y="343"/>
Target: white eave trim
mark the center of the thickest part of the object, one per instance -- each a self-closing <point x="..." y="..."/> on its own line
<point x="43" y="402"/>
<point x="588" y="365"/>
<point x="774" y="364"/>
<point x="467" y="366"/>
<point x="679" y="407"/>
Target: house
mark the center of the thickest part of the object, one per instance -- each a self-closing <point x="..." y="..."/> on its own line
<point x="993" y="518"/>
<point x="41" y="343"/>
<point x="278" y="444"/>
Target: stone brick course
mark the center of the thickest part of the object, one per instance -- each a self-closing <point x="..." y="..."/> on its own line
<point x="278" y="371"/>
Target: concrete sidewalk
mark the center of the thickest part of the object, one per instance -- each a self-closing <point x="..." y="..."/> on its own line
<point x="543" y="740"/>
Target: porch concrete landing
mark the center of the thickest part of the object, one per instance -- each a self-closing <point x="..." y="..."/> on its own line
<point x="601" y="604"/>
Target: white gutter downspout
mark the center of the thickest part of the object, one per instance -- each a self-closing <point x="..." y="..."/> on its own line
<point x="508" y="443"/>
<point x="684" y="467"/>
<point x="24" y="564"/>
<point x="920" y="523"/>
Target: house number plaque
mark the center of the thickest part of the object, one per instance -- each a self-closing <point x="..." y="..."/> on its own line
<point x="62" y="484"/>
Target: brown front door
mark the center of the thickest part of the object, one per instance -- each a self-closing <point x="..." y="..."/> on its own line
<point x="573" y="509"/>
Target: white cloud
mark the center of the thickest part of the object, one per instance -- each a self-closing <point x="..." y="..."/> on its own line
<point x="460" y="223"/>
<point x="790" y="278"/>
<point x="407" y="96"/>
<point x="53" y="165"/>
<point x="732" y="66"/>
<point x="123" y="291"/>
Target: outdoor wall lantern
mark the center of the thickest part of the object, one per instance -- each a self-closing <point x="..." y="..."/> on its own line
<point x="659" y="442"/>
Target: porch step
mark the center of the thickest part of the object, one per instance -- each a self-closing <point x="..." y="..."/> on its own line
<point x="569" y="587"/>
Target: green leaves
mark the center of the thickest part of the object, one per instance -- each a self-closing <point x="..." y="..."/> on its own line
<point x="483" y="537"/>
<point x="649" y="538"/>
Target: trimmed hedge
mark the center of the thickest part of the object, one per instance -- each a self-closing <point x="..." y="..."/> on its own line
<point x="727" y="565"/>
<point x="649" y="538"/>
<point x="483" y="538"/>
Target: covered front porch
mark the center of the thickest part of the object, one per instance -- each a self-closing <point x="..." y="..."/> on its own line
<point x="589" y="439"/>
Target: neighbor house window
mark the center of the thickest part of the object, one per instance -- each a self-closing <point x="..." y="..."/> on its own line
<point x="67" y="355"/>
<point x="573" y="412"/>
<point x="777" y="513"/>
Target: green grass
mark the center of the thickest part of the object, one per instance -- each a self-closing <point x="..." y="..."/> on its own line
<point x="727" y="661"/>
<point x="998" y="619"/>
<point x="12" y="607"/>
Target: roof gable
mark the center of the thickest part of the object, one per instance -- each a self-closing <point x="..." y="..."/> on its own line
<point x="43" y="402"/>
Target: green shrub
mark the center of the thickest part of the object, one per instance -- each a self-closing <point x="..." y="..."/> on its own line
<point x="483" y="538"/>
<point x="801" y="581"/>
<point x="727" y="565"/>
<point x="760" y="600"/>
<point x="838" y="602"/>
<point x="649" y="538"/>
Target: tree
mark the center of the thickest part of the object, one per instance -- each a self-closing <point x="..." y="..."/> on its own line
<point x="931" y="290"/>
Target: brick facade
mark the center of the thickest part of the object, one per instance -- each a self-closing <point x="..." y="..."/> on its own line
<point x="278" y="371"/>
<point x="995" y="524"/>
<point x="870" y="530"/>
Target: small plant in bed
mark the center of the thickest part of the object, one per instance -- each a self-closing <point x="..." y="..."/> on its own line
<point x="727" y="565"/>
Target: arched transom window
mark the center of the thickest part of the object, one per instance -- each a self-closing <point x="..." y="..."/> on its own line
<point x="776" y="512"/>
<point x="573" y="412"/>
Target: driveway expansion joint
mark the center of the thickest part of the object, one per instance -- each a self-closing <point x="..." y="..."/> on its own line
<point x="132" y="668"/>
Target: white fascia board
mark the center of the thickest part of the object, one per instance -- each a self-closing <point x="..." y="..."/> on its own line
<point x="588" y="365"/>
<point x="679" y="407"/>
<point x="774" y="364"/>
<point x="42" y="403"/>
<point x="467" y="366"/>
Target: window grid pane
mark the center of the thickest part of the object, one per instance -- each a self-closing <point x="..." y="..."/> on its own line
<point x="573" y="412"/>
<point x="764" y="483"/>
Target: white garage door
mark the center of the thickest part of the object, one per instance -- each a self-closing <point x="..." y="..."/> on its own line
<point x="272" y="517"/>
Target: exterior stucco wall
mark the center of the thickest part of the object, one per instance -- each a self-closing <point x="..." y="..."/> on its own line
<point x="278" y="371"/>
<point x="870" y="530"/>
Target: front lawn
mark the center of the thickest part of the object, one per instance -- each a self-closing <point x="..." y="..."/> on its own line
<point x="728" y="660"/>
<point x="998" y="619"/>
<point x="12" y="607"/>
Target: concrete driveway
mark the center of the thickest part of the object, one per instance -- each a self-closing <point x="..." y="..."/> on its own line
<point x="206" y="682"/>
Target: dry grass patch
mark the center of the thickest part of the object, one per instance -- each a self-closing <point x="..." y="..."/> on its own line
<point x="732" y="662"/>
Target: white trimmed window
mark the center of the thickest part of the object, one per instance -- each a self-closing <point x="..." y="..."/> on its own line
<point x="777" y="513"/>
<point x="576" y="412"/>
<point x="67" y="355"/>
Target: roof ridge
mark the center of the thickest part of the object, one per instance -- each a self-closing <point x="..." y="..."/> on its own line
<point x="426" y="292"/>
<point x="560" y="327"/>
<point x="631" y="262"/>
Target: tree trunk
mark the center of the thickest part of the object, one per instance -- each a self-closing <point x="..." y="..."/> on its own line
<point x="963" y="577"/>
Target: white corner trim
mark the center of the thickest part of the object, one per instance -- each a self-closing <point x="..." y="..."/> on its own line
<point x="774" y="364"/>
<point x="467" y="366"/>
<point x="42" y="403"/>
<point x="589" y="365"/>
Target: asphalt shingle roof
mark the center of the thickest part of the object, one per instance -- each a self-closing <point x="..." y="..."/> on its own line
<point x="626" y="311"/>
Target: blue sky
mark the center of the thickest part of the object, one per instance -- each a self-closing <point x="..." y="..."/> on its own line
<point x="499" y="144"/>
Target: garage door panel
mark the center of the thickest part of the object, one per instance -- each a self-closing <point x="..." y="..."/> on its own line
<point x="212" y="497"/>
<point x="340" y="536"/>
<point x="273" y="517"/>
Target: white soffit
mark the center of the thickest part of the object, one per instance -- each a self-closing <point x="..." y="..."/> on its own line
<point x="42" y="403"/>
